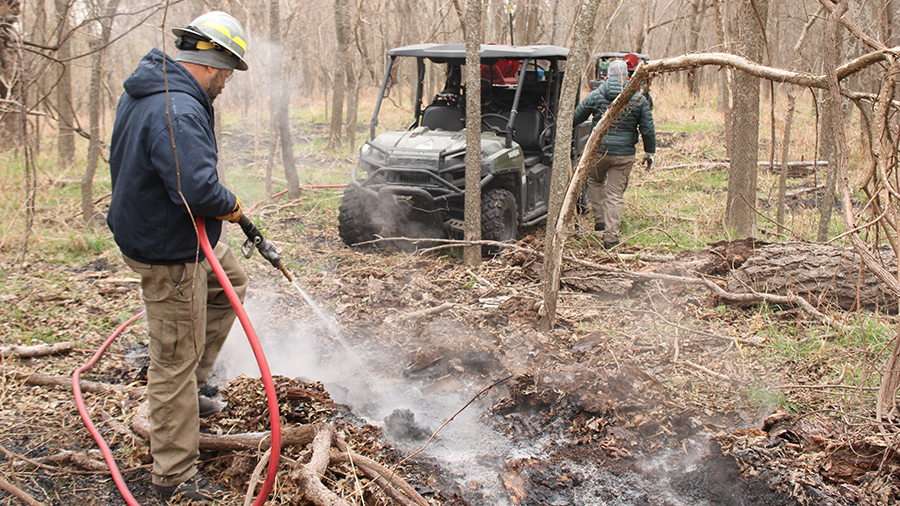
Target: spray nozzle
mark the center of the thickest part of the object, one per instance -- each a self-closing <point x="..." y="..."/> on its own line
<point x="268" y="250"/>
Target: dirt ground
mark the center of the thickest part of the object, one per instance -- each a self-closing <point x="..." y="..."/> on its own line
<point x="644" y="393"/>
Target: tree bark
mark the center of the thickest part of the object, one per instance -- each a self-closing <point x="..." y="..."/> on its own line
<point x="562" y="159"/>
<point x="9" y="70"/>
<point x="831" y="112"/>
<point x="472" y="212"/>
<point x="785" y="157"/>
<point x="820" y="273"/>
<point x="66" y="114"/>
<point x="279" y="102"/>
<point x="339" y="87"/>
<point x="744" y="151"/>
<point x="698" y="13"/>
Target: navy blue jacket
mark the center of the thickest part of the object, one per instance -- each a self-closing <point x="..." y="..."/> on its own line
<point x="623" y="134"/>
<point x="147" y="214"/>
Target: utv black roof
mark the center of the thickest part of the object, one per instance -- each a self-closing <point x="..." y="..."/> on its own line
<point x="445" y="53"/>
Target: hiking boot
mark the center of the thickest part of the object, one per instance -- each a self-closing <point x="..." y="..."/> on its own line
<point x="198" y="488"/>
<point x="207" y="406"/>
<point x="610" y="244"/>
<point x="599" y="227"/>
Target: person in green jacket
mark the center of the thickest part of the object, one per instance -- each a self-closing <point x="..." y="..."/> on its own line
<point x="608" y="178"/>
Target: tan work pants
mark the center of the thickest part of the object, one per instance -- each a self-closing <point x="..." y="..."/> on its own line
<point x="607" y="182"/>
<point x="189" y="316"/>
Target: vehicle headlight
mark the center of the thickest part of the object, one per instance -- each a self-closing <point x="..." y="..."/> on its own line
<point x="371" y="159"/>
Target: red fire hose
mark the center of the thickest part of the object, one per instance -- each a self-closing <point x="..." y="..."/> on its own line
<point x="274" y="418"/>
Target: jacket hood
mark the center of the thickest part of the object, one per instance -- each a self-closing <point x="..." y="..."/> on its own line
<point x="148" y="78"/>
<point x="614" y="86"/>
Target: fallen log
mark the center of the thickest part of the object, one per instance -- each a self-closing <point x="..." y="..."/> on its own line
<point x="37" y="350"/>
<point x="794" y="169"/>
<point x="819" y="273"/>
<point x="296" y="435"/>
<point x="44" y="380"/>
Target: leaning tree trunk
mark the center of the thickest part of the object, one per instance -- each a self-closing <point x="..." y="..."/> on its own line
<point x="562" y="159"/>
<point x="883" y="195"/>
<point x="472" y="212"/>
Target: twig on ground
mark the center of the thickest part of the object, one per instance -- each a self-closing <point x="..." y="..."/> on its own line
<point x="37" y="350"/>
<point x="700" y="368"/>
<point x="40" y="379"/>
<point x="365" y="463"/>
<point x="415" y="315"/>
<point x="18" y="492"/>
<point x="473" y="399"/>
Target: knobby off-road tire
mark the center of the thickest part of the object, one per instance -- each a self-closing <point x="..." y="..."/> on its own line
<point x="355" y="217"/>
<point x="499" y="220"/>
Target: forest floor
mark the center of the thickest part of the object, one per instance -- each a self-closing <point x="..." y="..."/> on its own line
<point x="645" y="393"/>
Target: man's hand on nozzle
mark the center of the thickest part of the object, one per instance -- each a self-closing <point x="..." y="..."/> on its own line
<point x="648" y="160"/>
<point x="235" y="215"/>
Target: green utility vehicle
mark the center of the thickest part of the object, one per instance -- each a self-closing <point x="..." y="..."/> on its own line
<point x="411" y="183"/>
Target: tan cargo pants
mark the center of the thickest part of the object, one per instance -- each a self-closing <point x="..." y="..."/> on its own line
<point x="189" y="316"/>
<point x="607" y="182"/>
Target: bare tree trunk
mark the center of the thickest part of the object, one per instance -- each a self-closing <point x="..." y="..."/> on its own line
<point x="352" y="104"/>
<point x="280" y="97"/>
<point x="9" y="72"/>
<point x="96" y="107"/>
<point x="472" y="212"/>
<point x="557" y="220"/>
<point x="698" y="13"/>
<point x="339" y="87"/>
<point x="831" y="109"/>
<point x="66" y="133"/>
<point x="725" y="74"/>
<point x="742" y="174"/>
<point x="785" y="157"/>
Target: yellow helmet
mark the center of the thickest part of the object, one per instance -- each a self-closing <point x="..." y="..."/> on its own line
<point x="217" y="31"/>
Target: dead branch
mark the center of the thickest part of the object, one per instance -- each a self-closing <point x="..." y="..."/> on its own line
<point x="40" y="379"/>
<point x="307" y="476"/>
<point x="119" y="428"/>
<point x="254" y="478"/>
<point x="704" y="370"/>
<point x="791" y="299"/>
<point x="415" y="315"/>
<point x="38" y="350"/>
<point x="366" y="463"/>
<point x="18" y="492"/>
<point x="296" y="435"/>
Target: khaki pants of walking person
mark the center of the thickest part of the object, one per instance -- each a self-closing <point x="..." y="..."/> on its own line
<point x="607" y="182"/>
<point x="188" y="316"/>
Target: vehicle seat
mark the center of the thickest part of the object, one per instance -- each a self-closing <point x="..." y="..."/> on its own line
<point x="443" y="117"/>
<point x="529" y="126"/>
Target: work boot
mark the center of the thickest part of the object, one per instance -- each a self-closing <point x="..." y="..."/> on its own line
<point x="610" y="244"/>
<point x="198" y="488"/>
<point x="207" y="406"/>
<point x="599" y="226"/>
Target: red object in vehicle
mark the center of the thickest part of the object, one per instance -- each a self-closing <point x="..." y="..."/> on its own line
<point x="631" y="60"/>
<point x="502" y="72"/>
